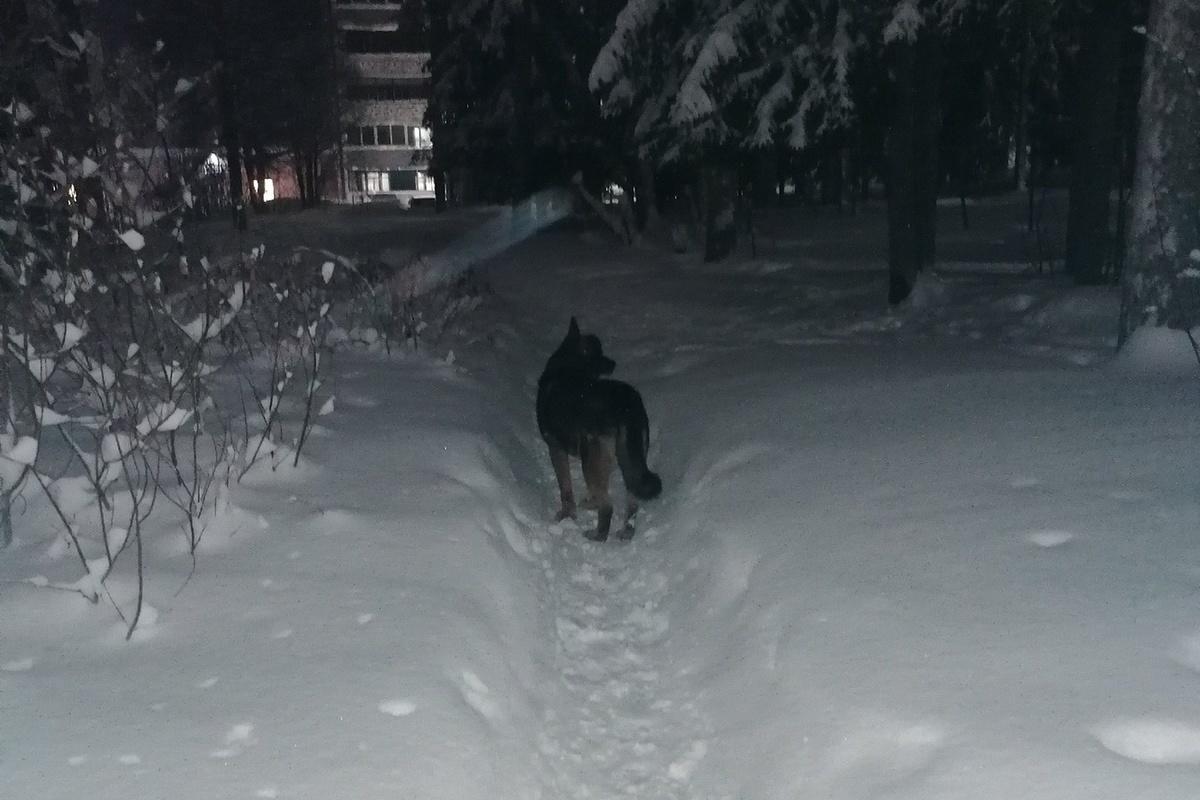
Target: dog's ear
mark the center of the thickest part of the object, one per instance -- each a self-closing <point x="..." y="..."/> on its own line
<point x="573" y="329"/>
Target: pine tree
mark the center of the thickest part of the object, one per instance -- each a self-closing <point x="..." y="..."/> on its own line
<point x="510" y="93"/>
<point x="708" y="88"/>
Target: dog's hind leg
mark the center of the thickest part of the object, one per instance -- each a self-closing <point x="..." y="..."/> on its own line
<point x="562" y="472"/>
<point x="599" y="459"/>
<point x="631" y="510"/>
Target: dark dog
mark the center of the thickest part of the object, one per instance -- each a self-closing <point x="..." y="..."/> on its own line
<point x="602" y="422"/>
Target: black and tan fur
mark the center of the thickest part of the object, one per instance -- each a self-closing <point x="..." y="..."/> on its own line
<point x="602" y="422"/>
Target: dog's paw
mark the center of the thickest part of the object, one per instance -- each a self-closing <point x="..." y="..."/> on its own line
<point x="596" y="536"/>
<point x="564" y="513"/>
<point x="626" y="532"/>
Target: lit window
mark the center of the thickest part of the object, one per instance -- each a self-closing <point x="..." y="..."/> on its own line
<point x="268" y="189"/>
<point x="373" y="182"/>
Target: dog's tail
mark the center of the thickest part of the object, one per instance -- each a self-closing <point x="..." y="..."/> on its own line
<point x="633" y="440"/>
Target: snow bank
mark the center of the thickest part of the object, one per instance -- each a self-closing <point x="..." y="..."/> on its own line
<point x="891" y="560"/>
<point x="1159" y="351"/>
<point x="931" y="605"/>
<point x="368" y="626"/>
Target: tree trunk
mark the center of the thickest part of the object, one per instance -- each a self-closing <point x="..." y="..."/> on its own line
<point x="314" y="176"/>
<point x="964" y="182"/>
<point x="765" y="177"/>
<point x="928" y="127"/>
<point x="1095" y="151"/>
<point x="227" y="108"/>
<point x="912" y="152"/>
<point x="520" y="131"/>
<point x="720" y="213"/>
<point x="439" y="191"/>
<point x="256" y="171"/>
<point x="648" y="218"/>
<point x="832" y="176"/>
<point x="1159" y="281"/>
<point x="435" y="25"/>
<point x="1020" y="174"/>
<point x="6" y="531"/>
<point x="231" y="139"/>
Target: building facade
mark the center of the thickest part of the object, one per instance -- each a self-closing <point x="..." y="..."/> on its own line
<point x="386" y="147"/>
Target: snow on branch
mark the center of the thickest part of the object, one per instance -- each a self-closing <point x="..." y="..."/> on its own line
<point x="634" y="17"/>
<point x="905" y="22"/>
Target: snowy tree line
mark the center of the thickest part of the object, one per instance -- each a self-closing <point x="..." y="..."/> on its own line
<point x="705" y="109"/>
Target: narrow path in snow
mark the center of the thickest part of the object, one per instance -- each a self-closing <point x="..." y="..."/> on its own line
<point x="631" y="727"/>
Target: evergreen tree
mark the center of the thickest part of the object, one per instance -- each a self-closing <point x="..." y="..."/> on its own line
<point x="510" y="97"/>
<point x="709" y="88"/>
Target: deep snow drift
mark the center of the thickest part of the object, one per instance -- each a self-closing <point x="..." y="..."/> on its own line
<point x="944" y="552"/>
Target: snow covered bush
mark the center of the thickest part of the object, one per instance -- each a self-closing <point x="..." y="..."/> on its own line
<point x="134" y="375"/>
<point x="138" y="375"/>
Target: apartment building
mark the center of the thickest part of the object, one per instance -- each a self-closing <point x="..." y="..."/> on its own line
<point x="386" y="149"/>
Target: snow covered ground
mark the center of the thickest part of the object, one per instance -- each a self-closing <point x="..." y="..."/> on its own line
<point x="944" y="552"/>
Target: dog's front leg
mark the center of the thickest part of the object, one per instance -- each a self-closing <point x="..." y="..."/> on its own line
<point x="562" y="472"/>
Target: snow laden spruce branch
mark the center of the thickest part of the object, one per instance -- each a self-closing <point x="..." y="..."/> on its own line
<point x="745" y="73"/>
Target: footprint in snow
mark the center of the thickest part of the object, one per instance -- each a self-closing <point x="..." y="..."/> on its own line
<point x="282" y="633"/>
<point x="77" y="761"/>
<point x="1049" y="538"/>
<point x="237" y="739"/>
<point x="1151" y="741"/>
<point x="243" y="732"/>
<point x="129" y="759"/>
<point x="207" y="683"/>
<point x="357" y="401"/>
<point x="885" y="746"/>
<point x="479" y="696"/>
<point x="1187" y="652"/>
<point x="18" y="665"/>
<point x="1024" y="482"/>
<point x="682" y="768"/>
<point x="398" y="708"/>
<point x="363" y="619"/>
